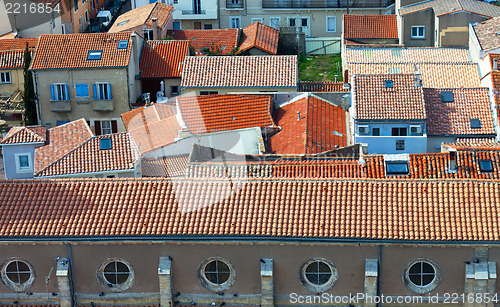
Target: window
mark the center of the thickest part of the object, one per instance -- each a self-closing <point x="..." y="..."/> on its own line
<point x="368" y="53"/>
<point x="82" y="90"/>
<point x="116" y="274"/>
<point x="292" y="22"/>
<point x="486" y="166"/>
<point x="234" y="22"/>
<point x="148" y="34"/>
<point x="105" y="143"/>
<point x="105" y="126"/>
<point x="331" y="24"/>
<point x="87" y="20"/>
<point x="318" y="275"/>
<point x="422" y="276"/>
<point x="397" y="168"/>
<point x="399" y="131"/>
<point x="81" y="24"/>
<point x="123" y="22"/>
<point x="394" y="70"/>
<point x="418" y="32"/>
<point x="123" y="44"/>
<point x="475" y="123"/>
<point x="75" y="4"/>
<point x="17" y="274"/>
<point x="304" y="22"/>
<point x="209" y="93"/>
<point x="174" y="90"/>
<point x="400" y="144"/>
<point x="102" y="91"/>
<point x="376" y="131"/>
<point x="59" y="91"/>
<point x="197" y="25"/>
<point x="216" y="274"/>
<point x="389" y="83"/>
<point x="275" y="22"/>
<point x="23" y="162"/>
<point x="94" y="55"/>
<point x="447" y="96"/>
<point x="261" y="20"/>
<point x="207" y="26"/>
<point x="177" y="25"/>
<point x="5" y="77"/>
<point x="495" y="64"/>
<point x="397" y="53"/>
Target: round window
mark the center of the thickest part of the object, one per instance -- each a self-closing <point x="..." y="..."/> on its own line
<point x="318" y="275"/>
<point x="217" y="274"/>
<point x="422" y="276"/>
<point x="17" y="274"/>
<point x="116" y="274"/>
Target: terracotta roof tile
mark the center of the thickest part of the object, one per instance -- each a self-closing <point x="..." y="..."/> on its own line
<point x="152" y="127"/>
<point x="163" y="58"/>
<point x="487" y="33"/>
<point x="12" y="59"/>
<point x="240" y="71"/>
<point x="20" y="135"/>
<point x="211" y="113"/>
<point x="90" y="158"/>
<point x="260" y="36"/>
<point x="475" y="143"/>
<point x="467" y="210"/>
<point x="225" y="39"/>
<point x="370" y="26"/>
<point x="143" y="16"/>
<point x="412" y="55"/>
<point x="62" y="51"/>
<point x="373" y="101"/>
<point x="444" y="7"/>
<point x="17" y="43"/>
<point x="454" y="118"/>
<point x="318" y="87"/>
<point x="60" y="141"/>
<point x="322" y="126"/>
<point x="169" y="166"/>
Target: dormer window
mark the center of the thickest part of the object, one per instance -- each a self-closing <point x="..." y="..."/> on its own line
<point x="495" y="64"/>
<point x="447" y="96"/>
<point x="397" y="168"/>
<point x="105" y="143"/>
<point x="486" y="166"/>
<point x="94" y="55"/>
<point x="475" y="123"/>
<point x="389" y="84"/>
<point x="123" y="44"/>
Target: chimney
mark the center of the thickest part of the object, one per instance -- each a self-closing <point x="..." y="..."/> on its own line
<point x="155" y="28"/>
<point x="453" y="160"/>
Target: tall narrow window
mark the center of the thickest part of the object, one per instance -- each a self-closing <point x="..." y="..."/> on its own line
<point x="331" y="24"/>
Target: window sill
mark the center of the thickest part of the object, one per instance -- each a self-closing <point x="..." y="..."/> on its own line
<point x="23" y="171"/>
<point x="418" y="38"/>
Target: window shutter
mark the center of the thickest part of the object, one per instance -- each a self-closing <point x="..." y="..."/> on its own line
<point x="66" y="97"/>
<point x="85" y="90"/>
<point x="114" y="126"/>
<point x="95" y="92"/>
<point x="109" y="91"/>
<point x="52" y="92"/>
<point x="97" y="126"/>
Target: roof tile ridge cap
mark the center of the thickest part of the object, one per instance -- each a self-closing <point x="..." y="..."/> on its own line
<point x="269" y="111"/>
<point x="308" y="106"/>
<point x="134" y="148"/>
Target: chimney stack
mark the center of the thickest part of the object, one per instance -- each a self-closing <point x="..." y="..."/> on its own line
<point x="155" y="28"/>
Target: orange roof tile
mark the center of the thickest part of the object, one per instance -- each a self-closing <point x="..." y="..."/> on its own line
<point x="225" y="39"/>
<point x="345" y="209"/>
<point x="163" y="58"/>
<point x="143" y="16"/>
<point x="260" y="36"/>
<point x="168" y="166"/>
<point x="21" y="135"/>
<point x="12" y="59"/>
<point x="240" y="71"/>
<point x="322" y="126"/>
<point x="66" y="51"/>
<point x="453" y="118"/>
<point x="60" y="141"/>
<point x="412" y="55"/>
<point x="317" y="87"/>
<point x="373" y="101"/>
<point x="152" y="127"/>
<point x="370" y="26"/>
<point x="211" y="113"/>
<point x="90" y="158"/>
<point x="17" y="43"/>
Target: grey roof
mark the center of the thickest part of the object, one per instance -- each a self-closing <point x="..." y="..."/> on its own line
<point x="487" y="33"/>
<point x="442" y="7"/>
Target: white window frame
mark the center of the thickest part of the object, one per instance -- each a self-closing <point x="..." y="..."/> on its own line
<point x="60" y="92"/>
<point x="335" y="24"/>
<point x="271" y="22"/>
<point x="3" y="79"/>
<point x="149" y="34"/>
<point x="104" y="85"/>
<point x="20" y="169"/>
<point x="106" y="130"/>
<point x="231" y="18"/>
<point x="261" y="20"/>
<point x="417" y="36"/>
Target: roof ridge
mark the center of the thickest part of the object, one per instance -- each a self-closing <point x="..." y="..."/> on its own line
<point x="36" y="135"/>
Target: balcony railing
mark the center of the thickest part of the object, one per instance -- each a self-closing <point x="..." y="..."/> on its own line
<point x="194" y="12"/>
<point x="276" y="4"/>
<point x="234" y="4"/>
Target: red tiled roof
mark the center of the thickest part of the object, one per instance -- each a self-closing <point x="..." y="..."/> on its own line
<point x="424" y="210"/>
<point x="240" y="71"/>
<point x="20" y="135"/>
<point x="453" y="118"/>
<point x="374" y="101"/>
<point x="89" y="158"/>
<point x="412" y="55"/>
<point x="163" y="58"/>
<point x="143" y="16"/>
<point x="322" y="126"/>
<point x="317" y="87"/>
<point x="211" y="113"/>
<point x="225" y="39"/>
<point x="62" y="51"/>
<point x="474" y="143"/>
<point x="12" y="59"/>
<point x="169" y="166"/>
<point x="370" y="26"/>
<point x="17" y="43"/>
<point x="152" y="127"/>
<point x="260" y="36"/>
<point x="60" y="141"/>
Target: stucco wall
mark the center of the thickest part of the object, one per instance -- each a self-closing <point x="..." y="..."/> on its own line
<point x="420" y="18"/>
<point x="454" y="30"/>
<point x="17" y="79"/>
<point x="9" y="160"/>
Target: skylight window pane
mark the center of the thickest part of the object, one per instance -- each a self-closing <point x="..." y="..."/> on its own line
<point x="447" y="96"/>
<point x="123" y="44"/>
<point x="486" y="165"/>
<point x="105" y="143"/>
<point x="94" y="55"/>
<point x="475" y="123"/>
<point x="123" y="22"/>
<point x="399" y="168"/>
<point x="389" y="83"/>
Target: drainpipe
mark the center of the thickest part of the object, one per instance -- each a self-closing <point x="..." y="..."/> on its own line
<point x="70" y="257"/>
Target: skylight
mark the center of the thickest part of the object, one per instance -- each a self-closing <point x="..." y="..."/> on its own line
<point x="105" y="143"/>
<point x="123" y="22"/>
<point x="94" y="55"/>
<point x="447" y="96"/>
<point x="486" y="165"/>
<point x="389" y="83"/>
<point x="123" y="44"/>
<point x="475" y="123"/>
<point x="397" y="168"/>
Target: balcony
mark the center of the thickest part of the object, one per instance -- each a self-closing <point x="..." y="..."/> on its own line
<point x="60" y="106"/>
<point x="180" y="14"/>
<point x="192" y="12"/>
<point x="103" y="105"/>
<point x="234" y="4"/>
<point x="319" y="4"/>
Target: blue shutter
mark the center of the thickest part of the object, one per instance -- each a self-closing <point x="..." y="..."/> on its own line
<point x="85" y="90"/>
<point x="52" y="92"/>
<point x="109" y="92"/>
<point x="67" y="92"/>
<point x="95" y="92"/>
<point x="78" y="90"/>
